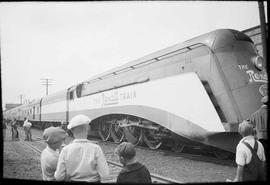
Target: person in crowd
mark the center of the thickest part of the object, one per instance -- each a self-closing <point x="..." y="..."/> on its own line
<point x="27" y="129"/>
<point x="81" y="160"/>
<point x="14" y="131"/>
<point x="259" y="120"/>
<point x="4" y="129"/>
<point x="250" y="155"/>
<point x="64" y="127"/>
<point x="133" y="171"/>
<point x="54" y="137"/>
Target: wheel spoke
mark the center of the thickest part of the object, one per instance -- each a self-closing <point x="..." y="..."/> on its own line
<point x="104" y="130"/>
<point x="133" y="134"/>
<point x="117" y="132"/>
<point x="178" y="147"/>
<point x="150" y="139"/>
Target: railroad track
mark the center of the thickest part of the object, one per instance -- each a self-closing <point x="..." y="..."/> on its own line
<point x="114" y="168"/>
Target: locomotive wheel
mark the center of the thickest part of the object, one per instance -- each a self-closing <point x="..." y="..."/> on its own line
<point x="117" y="132"/>
<point x="133" y="134"/>
<point x="104" y="130"/>
<point x="150" y="140"/>
<point x="221" y="154"/>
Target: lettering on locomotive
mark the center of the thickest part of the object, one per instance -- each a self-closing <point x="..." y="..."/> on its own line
<point x="257" y="77"/>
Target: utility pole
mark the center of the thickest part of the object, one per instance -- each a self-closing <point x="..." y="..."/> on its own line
<point x="46" y="82"/>
<point x="263" y="29"/>
<point x="21" y="98"/>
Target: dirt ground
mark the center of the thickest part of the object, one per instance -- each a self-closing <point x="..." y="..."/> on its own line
<point x="18" y="161"/>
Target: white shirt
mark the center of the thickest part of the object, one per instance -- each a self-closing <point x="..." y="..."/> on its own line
<point x="49" y="159"/>
<point x="27" y="124"/>
<point x="243" y="154"/>
<point x="81" y="160"/>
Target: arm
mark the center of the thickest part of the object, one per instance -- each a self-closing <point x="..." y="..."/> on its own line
<point x="239" y="173"/>
<point x="102" y="166"/>
<point x="60" y="173"/>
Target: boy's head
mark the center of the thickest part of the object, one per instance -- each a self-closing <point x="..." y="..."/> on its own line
<point x="54" y="137"/>
<point x="246" y="128"/>
<point x="79" y="125"/>
<point x="126" y="152"/>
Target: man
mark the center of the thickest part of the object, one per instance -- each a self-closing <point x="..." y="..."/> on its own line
<point x="27" y="129"/>
<point x="133" y="171"/>
<point x="81" y="160"/>
<point x="54" y="137"/>
<point x="4" y="129"/>
<point x="259" y="121"/>
<point x="14" y="131"/>
<point x="250" y="163"/>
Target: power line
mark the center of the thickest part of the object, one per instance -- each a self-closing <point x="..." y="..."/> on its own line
<point x="47" y="82"/>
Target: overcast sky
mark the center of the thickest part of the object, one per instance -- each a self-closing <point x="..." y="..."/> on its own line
<point x="72" y="41"/>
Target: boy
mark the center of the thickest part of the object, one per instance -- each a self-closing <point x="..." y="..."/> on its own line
<point x="133" y="171"/>
<point x="54" y="137"/>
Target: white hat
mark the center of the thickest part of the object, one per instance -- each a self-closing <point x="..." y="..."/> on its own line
<point x="78" y="120"/>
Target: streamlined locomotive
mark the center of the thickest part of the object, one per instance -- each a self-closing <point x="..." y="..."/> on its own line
<point x="190" y="94"/>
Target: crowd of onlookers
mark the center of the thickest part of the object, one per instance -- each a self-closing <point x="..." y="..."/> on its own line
<point x="83" y="160"/>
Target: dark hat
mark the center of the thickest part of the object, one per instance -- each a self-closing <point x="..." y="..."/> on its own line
<point x="54" y="134"/>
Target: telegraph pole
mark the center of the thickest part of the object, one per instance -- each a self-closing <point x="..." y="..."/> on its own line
<point x="263" y="29"/>
<point x="46" y="82"/>
<point x="21" y="98"/>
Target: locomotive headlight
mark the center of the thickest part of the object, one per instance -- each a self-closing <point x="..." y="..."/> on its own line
<point x="258" y="62"/>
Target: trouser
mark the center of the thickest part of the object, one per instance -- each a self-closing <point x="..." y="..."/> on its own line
<point x="15" y="133"/>
<point x="28" y="134"/>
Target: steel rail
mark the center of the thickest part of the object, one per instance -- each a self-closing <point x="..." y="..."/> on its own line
<point x="155" y="178"/>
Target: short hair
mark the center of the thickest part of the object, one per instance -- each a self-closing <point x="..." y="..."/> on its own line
<point x="126" y="150"/>
<point x="245" y="128"/>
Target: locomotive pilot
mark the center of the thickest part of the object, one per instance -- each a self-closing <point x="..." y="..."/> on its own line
<point x="81" y="160"/>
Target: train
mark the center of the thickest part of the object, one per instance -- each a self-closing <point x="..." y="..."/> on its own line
<point x="191" y="94"/>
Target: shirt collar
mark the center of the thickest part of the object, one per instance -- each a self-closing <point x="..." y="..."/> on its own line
<point x="247" y="138"/>
<point x="53" y="151"/>
<point x="80" y="140"/>
<point x="131" y="167"/>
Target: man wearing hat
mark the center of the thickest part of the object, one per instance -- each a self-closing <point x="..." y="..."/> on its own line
<point x="54" y="137"/>
<point x="259" y="121"/>
<point x="81" y="160"/>
<point x="249" y="156"/>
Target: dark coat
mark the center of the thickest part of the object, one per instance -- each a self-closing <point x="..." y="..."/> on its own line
<point x="134" y="173"/>
<point x="259" y="120"/>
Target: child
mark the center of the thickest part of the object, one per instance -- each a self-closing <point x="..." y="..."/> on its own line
<point x="133" y="171"/>
<point x="54" y="137"/>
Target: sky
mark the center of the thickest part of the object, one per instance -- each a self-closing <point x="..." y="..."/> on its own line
<point x="70" y="42"/>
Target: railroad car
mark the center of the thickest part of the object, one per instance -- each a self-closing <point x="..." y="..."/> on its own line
<point x="53" y="109"/>
<point x="190" y="94"/>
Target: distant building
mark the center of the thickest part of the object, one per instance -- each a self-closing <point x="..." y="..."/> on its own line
<point x="255" y="34"/>
<point x="11" y="105"/>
